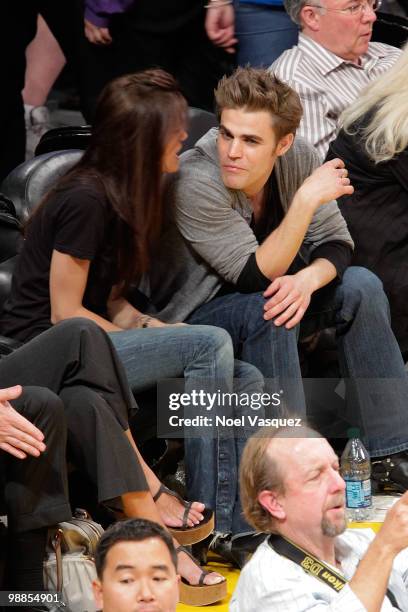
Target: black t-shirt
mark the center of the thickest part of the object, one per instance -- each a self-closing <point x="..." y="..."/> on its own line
<point x="76" y="220"/>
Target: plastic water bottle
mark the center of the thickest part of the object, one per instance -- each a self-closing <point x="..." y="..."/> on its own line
<point x="356" y="471"/>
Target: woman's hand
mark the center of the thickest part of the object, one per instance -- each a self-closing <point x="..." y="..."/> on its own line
<point x="148" y="321"/>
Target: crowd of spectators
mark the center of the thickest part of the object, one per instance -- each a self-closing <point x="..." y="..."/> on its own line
<point x="285" y="220"/>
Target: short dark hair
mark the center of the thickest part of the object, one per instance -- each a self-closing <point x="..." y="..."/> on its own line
<point x="258" y="89"/>
<point x="131" y="530"/>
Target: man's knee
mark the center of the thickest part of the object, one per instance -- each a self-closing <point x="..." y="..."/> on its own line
<point x="253" y="309"/>
<point x="214" y="339"/>
<point x="365" y="284"/>
<point x="81" y="402"/>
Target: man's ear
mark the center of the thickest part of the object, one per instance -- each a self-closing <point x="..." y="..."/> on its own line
<point x="310" y="18"/>
<point x="98" y="594"/>
<point x="284" y="144"/>
<point x="269" y="501"/>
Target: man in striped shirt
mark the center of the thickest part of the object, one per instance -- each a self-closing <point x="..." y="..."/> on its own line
<point x="291" y="488"/>
<point x="333" y="60"/>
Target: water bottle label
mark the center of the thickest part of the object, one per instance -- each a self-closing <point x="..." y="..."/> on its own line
<point x="358" y="493"/>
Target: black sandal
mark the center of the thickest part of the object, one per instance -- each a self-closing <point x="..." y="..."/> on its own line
<point x="200" y="594"/>
<point x="188" y="535"/>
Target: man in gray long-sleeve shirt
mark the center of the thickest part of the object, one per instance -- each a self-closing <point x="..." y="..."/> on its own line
<point x="261" y="249"/>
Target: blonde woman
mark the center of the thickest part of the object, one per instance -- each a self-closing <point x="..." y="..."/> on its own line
<point x="373" y="143"/>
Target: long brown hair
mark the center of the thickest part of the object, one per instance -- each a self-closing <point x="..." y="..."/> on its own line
<point x="135" y="116"/>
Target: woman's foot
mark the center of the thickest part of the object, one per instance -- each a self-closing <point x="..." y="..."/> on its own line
<point x="198" y="587"/>
<point x="172" y="509"/>
<point x="189" y="569"/>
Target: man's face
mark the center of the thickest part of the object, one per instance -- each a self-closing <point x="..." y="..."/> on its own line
<point x="247" y="149"/>
<point x="138" y="577"/>
<point x="344" y="34"/>
<point x="314" y="499"/>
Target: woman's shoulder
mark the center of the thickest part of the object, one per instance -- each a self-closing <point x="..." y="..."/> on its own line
<point x="81" y="188"/>
<point x="76" y="195"/>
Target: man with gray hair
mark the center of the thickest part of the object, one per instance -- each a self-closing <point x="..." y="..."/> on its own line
<point x="291" y="488"/>
<point x="332" y="62"/>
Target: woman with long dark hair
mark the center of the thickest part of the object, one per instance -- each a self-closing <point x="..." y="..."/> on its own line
<point x="90" y="239"/>
<point x="373" y="143"/>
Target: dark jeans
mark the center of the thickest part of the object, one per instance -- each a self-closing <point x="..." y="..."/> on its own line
<point x="370" y="359"/>
<point x="263" y="32"/>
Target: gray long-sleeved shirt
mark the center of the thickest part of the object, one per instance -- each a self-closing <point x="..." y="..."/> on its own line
<point x="211" y="240"/>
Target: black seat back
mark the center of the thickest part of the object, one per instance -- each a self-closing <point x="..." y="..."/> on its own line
<point x="390" y="29"/>
<point x="77" y="137"/>
<point x="30" y="181"/>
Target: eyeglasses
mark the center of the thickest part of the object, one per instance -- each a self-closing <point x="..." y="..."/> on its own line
<point x="355" y="9"/>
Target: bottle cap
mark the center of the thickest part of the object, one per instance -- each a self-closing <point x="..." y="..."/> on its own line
<point x="353" y="432"/>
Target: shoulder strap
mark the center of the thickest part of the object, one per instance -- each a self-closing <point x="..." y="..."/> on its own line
<point x="314" y="566"/>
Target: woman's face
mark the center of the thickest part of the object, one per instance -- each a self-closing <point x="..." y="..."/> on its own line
<point x="170" y="162"/>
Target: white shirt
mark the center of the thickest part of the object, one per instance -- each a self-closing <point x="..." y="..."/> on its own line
<point x="327" y="84"/>
<point x="272" y="583"/>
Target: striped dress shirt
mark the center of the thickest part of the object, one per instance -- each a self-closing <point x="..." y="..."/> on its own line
<point x="327" y="84"/>
<point x="272" y="583"/>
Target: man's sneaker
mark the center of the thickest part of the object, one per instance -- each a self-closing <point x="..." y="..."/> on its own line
<point x="37" y="122"/>
<point x="390" y="473"/>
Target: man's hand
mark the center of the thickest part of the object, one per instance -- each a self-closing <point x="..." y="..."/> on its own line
<point x="290" y="299"/>
<point x="219" y="25"/>
<point x="18" y="436"/>
<point x="394" y="531"/>
<point x="372" y="575"/>
<point x="326" y="183"/>
<point x="95" y="35"/>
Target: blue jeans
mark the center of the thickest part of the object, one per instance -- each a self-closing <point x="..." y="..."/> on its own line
<point x="204" y="356"/>
<point x="263" y="33"/>
<point x="369" y="356"/>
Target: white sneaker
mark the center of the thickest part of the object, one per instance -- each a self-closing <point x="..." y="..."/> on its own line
<point x="37" y="121"/>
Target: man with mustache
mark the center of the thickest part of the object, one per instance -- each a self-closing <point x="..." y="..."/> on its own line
<point x="332" y="62"/>
<point x="291" y="488"/>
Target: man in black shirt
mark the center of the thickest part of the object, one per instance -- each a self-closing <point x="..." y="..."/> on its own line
<point x="168" y="34"/>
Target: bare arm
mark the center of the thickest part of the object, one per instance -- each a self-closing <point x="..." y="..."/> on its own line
<point x="325" y="184"/>
<point x="68" y="278"/>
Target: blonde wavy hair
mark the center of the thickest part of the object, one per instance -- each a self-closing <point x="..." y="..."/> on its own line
<point x="386" y="134"/>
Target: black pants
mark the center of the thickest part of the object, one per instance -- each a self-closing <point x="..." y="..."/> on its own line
<point x="165" y="34"/>
<point x="35" y="492"/>
<point x="76" y="360"/>
<point x="89" y="65"/>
